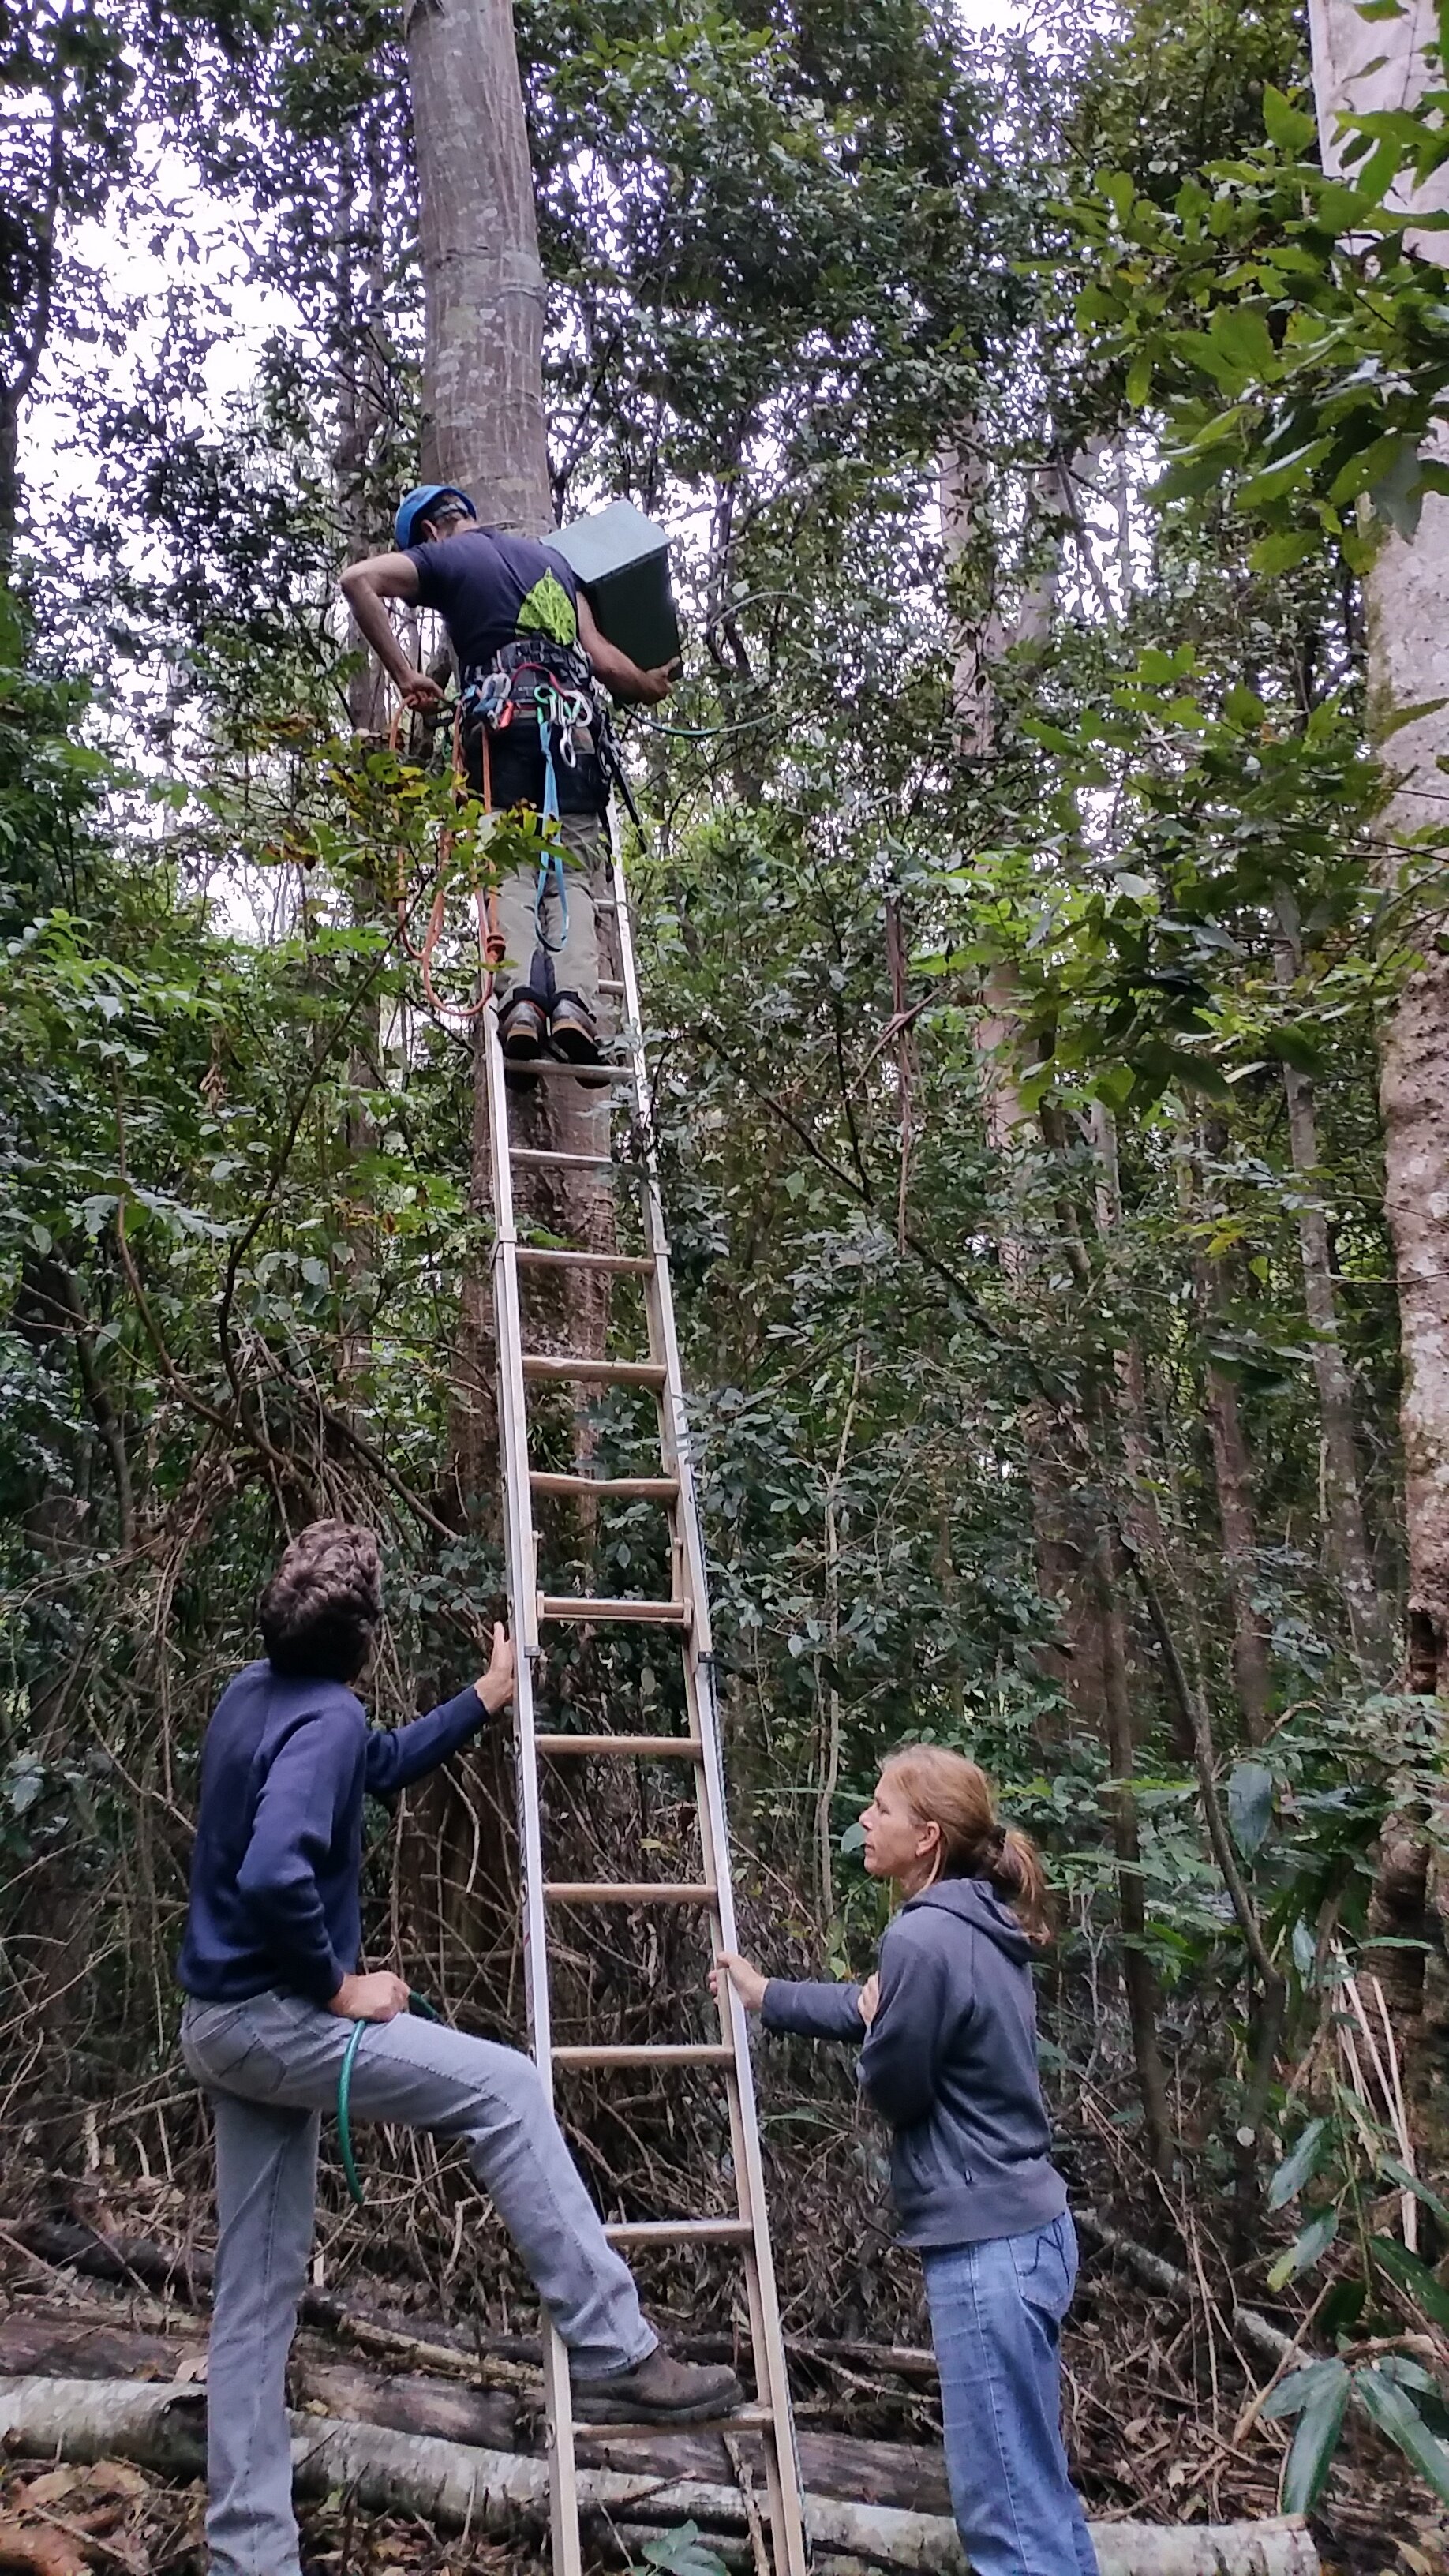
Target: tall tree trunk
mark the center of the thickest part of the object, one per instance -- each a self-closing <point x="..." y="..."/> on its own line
<point x="1343" y="1504"/>
<point x="483" y="293"/>
<point x="484" y="429"/>
<point x="1233" y="1478"/>
<point x="1358" y="68"/>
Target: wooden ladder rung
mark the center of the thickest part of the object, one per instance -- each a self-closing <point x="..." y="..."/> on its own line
<point x="566" y="1162"/>
<point x="645" y="1748"/>
<point x="564" y="1367"/>
<point x="682" y="2231"/>
<point x="577" y="1605"/>
<point x="641" y="1263"/>
<point x="623" y="1891"/>
<point x="745" y="2419"/>
<point x="654" y="1489"/>
<point x="557" y="1067"/>
<point x="660" y="2053"/>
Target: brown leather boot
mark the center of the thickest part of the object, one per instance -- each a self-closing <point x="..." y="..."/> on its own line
<point x="576" y="1039"/>
<point x="658" y="2390"/>
<point x="521" y="1030"/>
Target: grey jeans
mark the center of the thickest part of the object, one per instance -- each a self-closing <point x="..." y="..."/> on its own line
<point x="270" y="2067"/>
<point x="571" y="965"/>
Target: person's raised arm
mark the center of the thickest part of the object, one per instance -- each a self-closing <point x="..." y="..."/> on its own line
<point x="621" y="677"/>
<point x="397" y="1755"/>
<point x="815" y="2009"/>
<point x="366" y="586"/>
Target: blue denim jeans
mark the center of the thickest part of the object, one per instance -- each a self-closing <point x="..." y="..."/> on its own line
<point x="996" y="2319"/>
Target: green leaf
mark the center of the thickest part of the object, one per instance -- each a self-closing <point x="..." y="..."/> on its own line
<point x="1139" y="379"/>
<point x="1280" y="552"/>
<point x="1290" y="127"/>
<point x="1412" y="2277"/>
<point x="1305" y="2471"/>
<point x="1310" y="2248"/>
<point x="1395" y="2172"/>
<point x="1250" y="1805"/>
<point x="1301" y="2388"/>
<point x="1300" y="2165"/>
<point x="1393" y="2410"/>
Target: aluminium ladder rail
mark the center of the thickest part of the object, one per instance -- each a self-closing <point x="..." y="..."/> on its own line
<point x="687" y="1611"/>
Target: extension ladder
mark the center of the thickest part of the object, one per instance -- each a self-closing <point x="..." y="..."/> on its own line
<point x="687" y="1613"/>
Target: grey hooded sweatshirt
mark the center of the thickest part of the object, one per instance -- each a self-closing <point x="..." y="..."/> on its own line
<point x="950" y="2064"/>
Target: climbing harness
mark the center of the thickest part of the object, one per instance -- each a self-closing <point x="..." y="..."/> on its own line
<point x="416" y="2004"/>
<point x="553" y="684"/>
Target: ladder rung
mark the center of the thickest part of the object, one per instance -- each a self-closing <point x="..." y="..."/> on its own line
<point x="655" y="1489"/>
<point x="559" y="1069"/>
<point x="623" y="1891"/>
<point x="682" y="2231"/>
<point x="609" y="984"/>
<point x="563" y="1367"/>
<point x="662" y="2053"/>
<point x="576" y="1605"/>
<point x="644" y="1747"/>
<point x="639" y="1262"/>
<point x="745" y="2419"/>
<point x="567" y="1162"/>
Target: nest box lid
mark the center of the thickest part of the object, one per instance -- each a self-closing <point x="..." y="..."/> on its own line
<point x="622" y="560"/>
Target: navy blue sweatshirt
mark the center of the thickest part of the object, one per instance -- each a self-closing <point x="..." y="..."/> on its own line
<point x="950" y="2063"/>
<point x="277" y="1863"/>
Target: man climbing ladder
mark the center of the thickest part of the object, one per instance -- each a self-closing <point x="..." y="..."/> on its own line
<point x="528" y="651"/>
<point x="269" y="1964"/>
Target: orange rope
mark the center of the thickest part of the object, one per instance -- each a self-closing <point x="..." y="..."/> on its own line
<point x="492" y="947"/>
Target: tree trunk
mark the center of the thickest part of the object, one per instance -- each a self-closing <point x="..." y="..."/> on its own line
<point x="1343" y="1504"/>
<point x="483" y="292"/>
<point x="1232" y="1474"/>
<point x="1359" y="68"/>
<point x="484" y="429"/>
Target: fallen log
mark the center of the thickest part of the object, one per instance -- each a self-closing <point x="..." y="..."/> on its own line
<point x="457" y="2487"/>
<point x="39" y="2345"/>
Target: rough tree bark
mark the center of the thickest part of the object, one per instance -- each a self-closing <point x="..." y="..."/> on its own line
<point x="484" y="429"/>
<point x="1358" y="68"/>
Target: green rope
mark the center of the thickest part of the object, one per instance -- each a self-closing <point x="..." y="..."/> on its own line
<point x="424" y="2010"/>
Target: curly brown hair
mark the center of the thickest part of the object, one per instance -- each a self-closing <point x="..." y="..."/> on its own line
<point x="323" y="1606"/>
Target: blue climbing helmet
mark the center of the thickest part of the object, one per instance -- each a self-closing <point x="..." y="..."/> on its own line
<point x="416" y="505"/>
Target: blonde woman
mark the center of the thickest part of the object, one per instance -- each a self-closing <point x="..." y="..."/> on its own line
<point x="947" y="2028"/>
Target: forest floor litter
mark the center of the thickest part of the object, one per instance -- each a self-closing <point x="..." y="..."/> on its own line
<point x="1150" y="2412"/>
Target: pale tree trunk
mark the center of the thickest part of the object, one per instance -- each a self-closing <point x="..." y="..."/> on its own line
<point x="1233" y="1478"/>
<point x="483" y="415"/>
<point x="1362" y="67"/>
<point x="484" y="429"/>
<point x="1076" y="1561"/>
<point x="1343" y="1505"/>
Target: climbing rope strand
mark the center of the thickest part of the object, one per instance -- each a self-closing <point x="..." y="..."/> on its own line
<point x="416" y="2004"/>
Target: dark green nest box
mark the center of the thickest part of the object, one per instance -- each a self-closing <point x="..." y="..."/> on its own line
<point x="622" y="560"/>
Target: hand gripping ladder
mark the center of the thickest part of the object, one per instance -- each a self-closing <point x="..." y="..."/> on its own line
<point x="688" y="1614"/>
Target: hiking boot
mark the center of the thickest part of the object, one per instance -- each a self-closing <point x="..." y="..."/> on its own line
<point x="521" y="1031"/>
<point x="576" y="1039"/>
<point x="658" y="2390"/>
